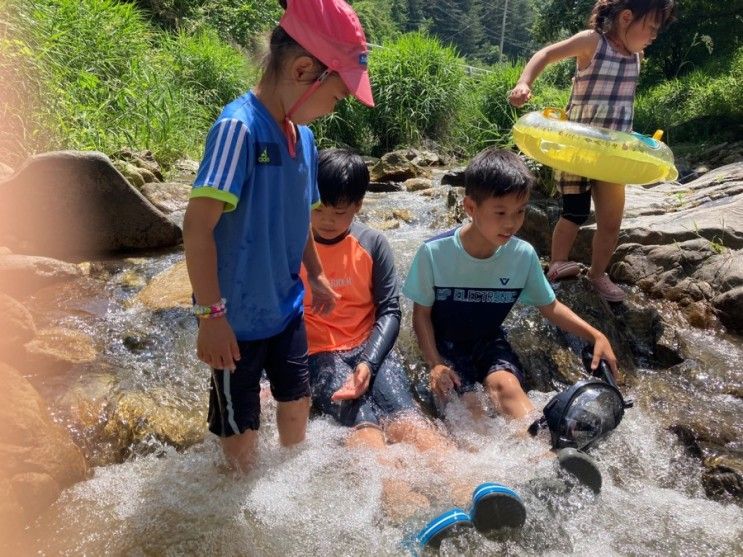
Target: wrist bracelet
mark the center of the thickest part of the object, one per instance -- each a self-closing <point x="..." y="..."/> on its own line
<point x="214" y="310"/>
<point x="214" y="315"/>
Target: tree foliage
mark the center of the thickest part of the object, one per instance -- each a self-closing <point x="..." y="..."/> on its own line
<point x="240" y="21"/>
<point x="703" y="27"/>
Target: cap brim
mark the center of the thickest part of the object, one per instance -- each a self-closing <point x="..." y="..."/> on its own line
<point x="357" y="81"/>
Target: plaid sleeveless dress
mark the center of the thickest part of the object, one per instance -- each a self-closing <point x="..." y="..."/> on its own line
<point x="603" y="95"/>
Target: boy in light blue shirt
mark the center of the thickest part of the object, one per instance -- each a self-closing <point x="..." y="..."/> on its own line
<point x="464" y="283"/>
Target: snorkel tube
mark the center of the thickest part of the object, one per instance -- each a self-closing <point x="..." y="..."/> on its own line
<point x="603" y="372"/>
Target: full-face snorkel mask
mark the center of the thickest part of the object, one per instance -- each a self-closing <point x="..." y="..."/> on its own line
<point x="585" y="412"/>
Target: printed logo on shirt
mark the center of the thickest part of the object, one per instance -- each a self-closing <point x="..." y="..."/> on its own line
<point x="475" y="295"/>
<point x="340" y="282"/>
<point x="443" y="293"/>
<point x="268" y="154"/>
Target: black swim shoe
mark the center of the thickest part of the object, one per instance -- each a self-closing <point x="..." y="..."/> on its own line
<point x="495" y="507"/>
<point x="582" y="466"/>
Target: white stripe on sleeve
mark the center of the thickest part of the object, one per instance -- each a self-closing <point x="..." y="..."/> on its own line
<point x="242" y="132"/>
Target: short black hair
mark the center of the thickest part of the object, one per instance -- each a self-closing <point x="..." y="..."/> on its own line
<point x="495" y="173"/>
<point x="342" y="177"/>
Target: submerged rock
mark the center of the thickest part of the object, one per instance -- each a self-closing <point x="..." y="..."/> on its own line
<point x="169" y="289"/>
<point x="17" y="326"/>
<point x="37" y="457"/>
<point x="417" y="184"/>
<point x="54" y="350"/>
<point x="137" y="416"/>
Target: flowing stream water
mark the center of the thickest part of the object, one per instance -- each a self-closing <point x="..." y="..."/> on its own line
<point x="324" y="499"/>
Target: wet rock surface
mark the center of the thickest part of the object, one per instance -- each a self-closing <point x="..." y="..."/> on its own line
<point x="37" y="457"/>
<point x="114" y="414"/>
<point x="24" y="274"/>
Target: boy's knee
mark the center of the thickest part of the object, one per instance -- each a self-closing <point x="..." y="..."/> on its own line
<point x="503" y="383"/>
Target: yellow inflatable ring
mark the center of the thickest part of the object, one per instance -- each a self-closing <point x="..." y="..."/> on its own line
<point x="598" y="153"/>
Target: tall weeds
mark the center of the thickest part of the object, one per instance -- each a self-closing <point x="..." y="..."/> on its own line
<point x="98" y="79"/>
<point x="96" y="74"/>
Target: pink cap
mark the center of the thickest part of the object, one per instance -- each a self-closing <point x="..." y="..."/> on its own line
<point x="331" y="31"/>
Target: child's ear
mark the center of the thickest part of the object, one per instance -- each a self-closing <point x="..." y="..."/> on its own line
<point x="303" y="68"/>
<point x="358" y="206"/>
<point x="469" y="205"/>
<point x="626" y="17"/>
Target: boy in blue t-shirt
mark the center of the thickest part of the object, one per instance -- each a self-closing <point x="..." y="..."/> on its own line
<point x="464" y="282"/>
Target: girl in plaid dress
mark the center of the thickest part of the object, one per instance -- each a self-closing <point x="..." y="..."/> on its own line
<point x="608" y="59"/>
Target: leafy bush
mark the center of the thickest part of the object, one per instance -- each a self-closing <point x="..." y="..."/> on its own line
<point x="239" y="21"/>
<point x="376" y="18"/>
<point x="93" y="76"/>
<point x="486" y="117"/>
<point x="417" y="87"/>
<point x="417" y="84"/>
<point x="349" y="126"/>
<point x="210" y="67"/>
<point x="703" y="104"/>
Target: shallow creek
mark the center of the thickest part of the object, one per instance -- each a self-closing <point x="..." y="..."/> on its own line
<point x="324" y="499"/>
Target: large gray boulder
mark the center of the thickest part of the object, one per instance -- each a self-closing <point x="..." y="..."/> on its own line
<point x="710" y="207"/>
<point x="686" y="273"/>
<point x="73" y="203"/>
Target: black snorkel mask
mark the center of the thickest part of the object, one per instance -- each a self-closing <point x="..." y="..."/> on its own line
<point x="585" y="412"/>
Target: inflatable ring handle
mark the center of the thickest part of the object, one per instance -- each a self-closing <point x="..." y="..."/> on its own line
<point x="658" y="135"/>
<point x="550" y="112"/>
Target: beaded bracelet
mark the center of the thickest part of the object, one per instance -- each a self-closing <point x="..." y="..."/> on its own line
<point x="211" y="312"/>
<point x="214" y="315"/>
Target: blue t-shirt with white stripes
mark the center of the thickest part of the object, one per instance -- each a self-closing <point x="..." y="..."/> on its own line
<point x="470" y="297"/>
<point x="268" y="196"/>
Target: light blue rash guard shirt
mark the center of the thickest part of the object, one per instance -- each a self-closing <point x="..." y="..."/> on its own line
<point x="470" y="297"/>
<point x="268" y="196"/>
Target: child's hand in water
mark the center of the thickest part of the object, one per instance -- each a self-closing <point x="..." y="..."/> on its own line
<point x="323" y="295"/>
<point x="443" y="380"/>
<point x="519" y="94"/>
<point x="356" y="384"/>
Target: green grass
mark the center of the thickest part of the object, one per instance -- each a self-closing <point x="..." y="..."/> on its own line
<point x="416" y="83"/>
<point x="99" y="74"/>
<point x="704" y="105"/>
<point x="95" y="75"/>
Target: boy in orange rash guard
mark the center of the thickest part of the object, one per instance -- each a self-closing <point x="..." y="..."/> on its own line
<point x="356" y="375"/>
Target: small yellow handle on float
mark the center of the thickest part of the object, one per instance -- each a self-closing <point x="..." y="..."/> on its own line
<point x="550" y="112"/>
<point x="658" y="135"/>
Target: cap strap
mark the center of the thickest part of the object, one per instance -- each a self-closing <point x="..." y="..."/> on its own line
<point x="289" y="130"/>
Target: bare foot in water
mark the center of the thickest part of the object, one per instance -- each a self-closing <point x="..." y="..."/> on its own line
<point x="462" y="495"/>
<point x="400" y="502"/>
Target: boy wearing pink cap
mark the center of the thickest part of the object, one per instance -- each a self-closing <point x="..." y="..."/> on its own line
<point x="246" y="230"/>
